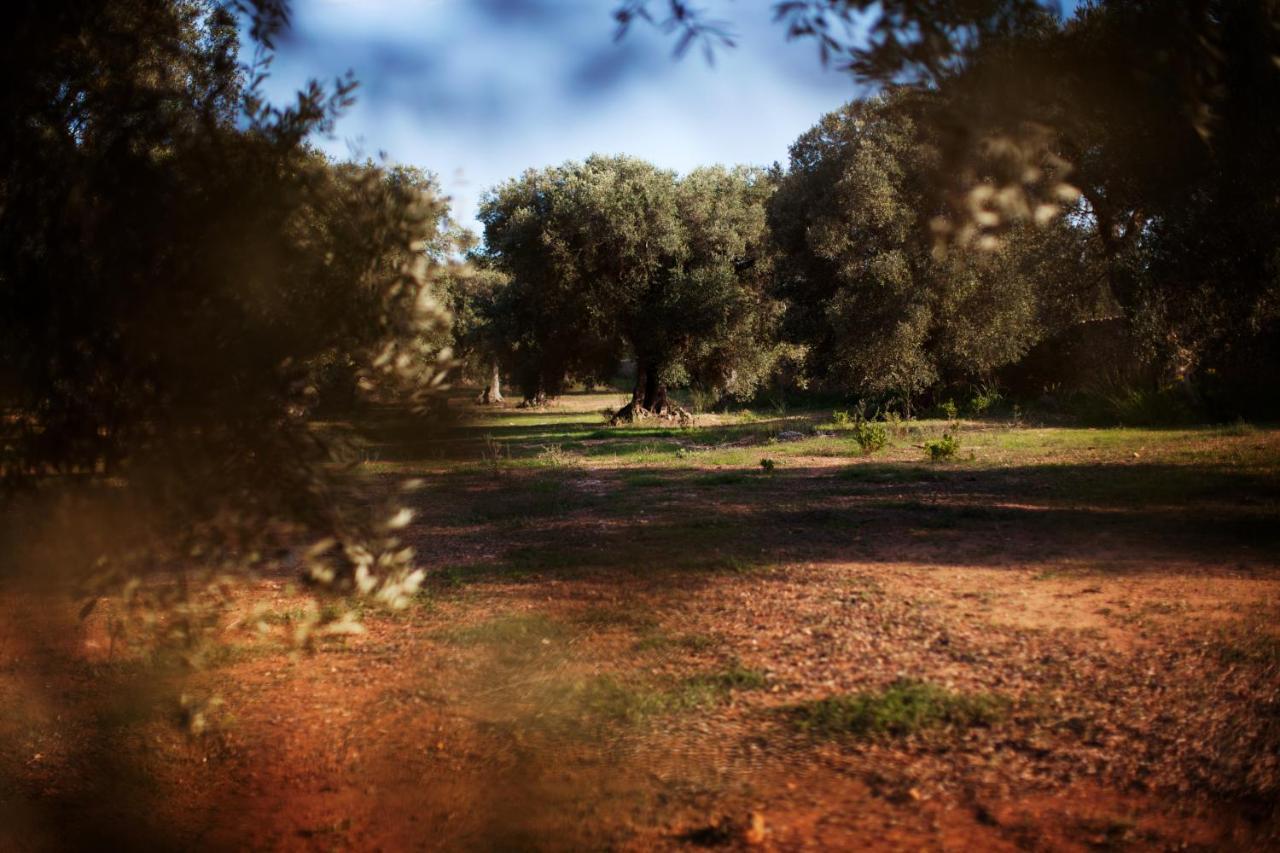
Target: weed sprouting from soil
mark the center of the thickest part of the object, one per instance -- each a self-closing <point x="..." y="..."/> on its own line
<point x="905" y="707"/>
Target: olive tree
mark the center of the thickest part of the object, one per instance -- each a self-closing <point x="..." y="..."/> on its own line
<point x="614" y="256"/>
<point x="881" y="311"/>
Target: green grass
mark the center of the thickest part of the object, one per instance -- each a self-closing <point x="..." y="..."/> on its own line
<point x="903" y="708"/>
<point x="723" y="478"/>
<point x="605" y="618"/>
<point x="525" y="629"/>
<point x="733" y="677"/>
<point x="657" y="640"/>
<point x="608" y="699"/>
<point x="611" y="700"/>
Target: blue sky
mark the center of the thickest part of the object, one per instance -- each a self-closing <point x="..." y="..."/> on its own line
<point x="479" y="90"/>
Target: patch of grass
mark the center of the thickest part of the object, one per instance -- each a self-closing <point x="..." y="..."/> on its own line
<point x="733" y="677"/>
<point x="1132" y="407"/>
<point x="720" y="563"/>
<point x="903" y="708"/>
<point x="604" y="618"/>
<point x="722" y="478"/>
<point x="529" y="498"/>
<point x="659" y="641"/>
<point x="285" y="617"/>
<point x="1254" y="647"/>
<point x="605" y="698"/>
<point x="643" y="479"/>
<point x="1237" y="429"/>
<point x="890" y="474"/>
<point x="635" y="451"/>
<point x="523" y="629"/>
<point x="521" y="562"/>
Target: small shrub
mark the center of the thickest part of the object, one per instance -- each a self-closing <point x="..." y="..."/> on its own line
<point x="555" y="456"/>
<point x="949" y="410"/>
<point x="940" y="449"/>
<point x="905" y="707"/>
<point x="986" y="399"/>
<point x="768" y="465"/>
<point x="842" y="420"/>
<point x="870" y="436"/>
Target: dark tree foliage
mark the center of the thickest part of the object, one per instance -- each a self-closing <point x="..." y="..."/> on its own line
<point x="1171" y="47"/>
<point x="178" y="274"/>
<point x="881" y="312"/>
<point x="1178" y="191"/>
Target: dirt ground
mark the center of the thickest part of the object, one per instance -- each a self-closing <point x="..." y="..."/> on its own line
<point x="629" y="639"/>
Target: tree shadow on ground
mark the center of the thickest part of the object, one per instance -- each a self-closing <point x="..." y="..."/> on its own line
<point x="679" y="521"/>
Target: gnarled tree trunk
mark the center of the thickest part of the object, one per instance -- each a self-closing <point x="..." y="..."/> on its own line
<point x="649" y="399"/>
<point x="492" y="392"/>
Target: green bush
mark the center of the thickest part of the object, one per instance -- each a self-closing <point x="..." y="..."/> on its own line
<point x="842" y="420"/>
<point x="948" y="410"/>
<point x="940" y="449"/>
<point x="870" y="436"/>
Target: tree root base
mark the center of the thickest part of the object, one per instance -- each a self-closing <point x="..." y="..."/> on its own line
<point x="632" y="413"/>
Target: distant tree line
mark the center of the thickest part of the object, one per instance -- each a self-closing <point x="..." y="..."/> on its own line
<point x="1018" y="185"/>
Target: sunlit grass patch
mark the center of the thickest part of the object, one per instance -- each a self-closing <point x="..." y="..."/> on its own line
<point x="608" y="699"/>
<point x="905" y="707"/>
<point x="514" y="630"/>
<point x="587" y="703"/>
<point x="636" y="452"/>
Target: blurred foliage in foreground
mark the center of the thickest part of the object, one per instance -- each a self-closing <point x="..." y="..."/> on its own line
<point x="183" y="281"/>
